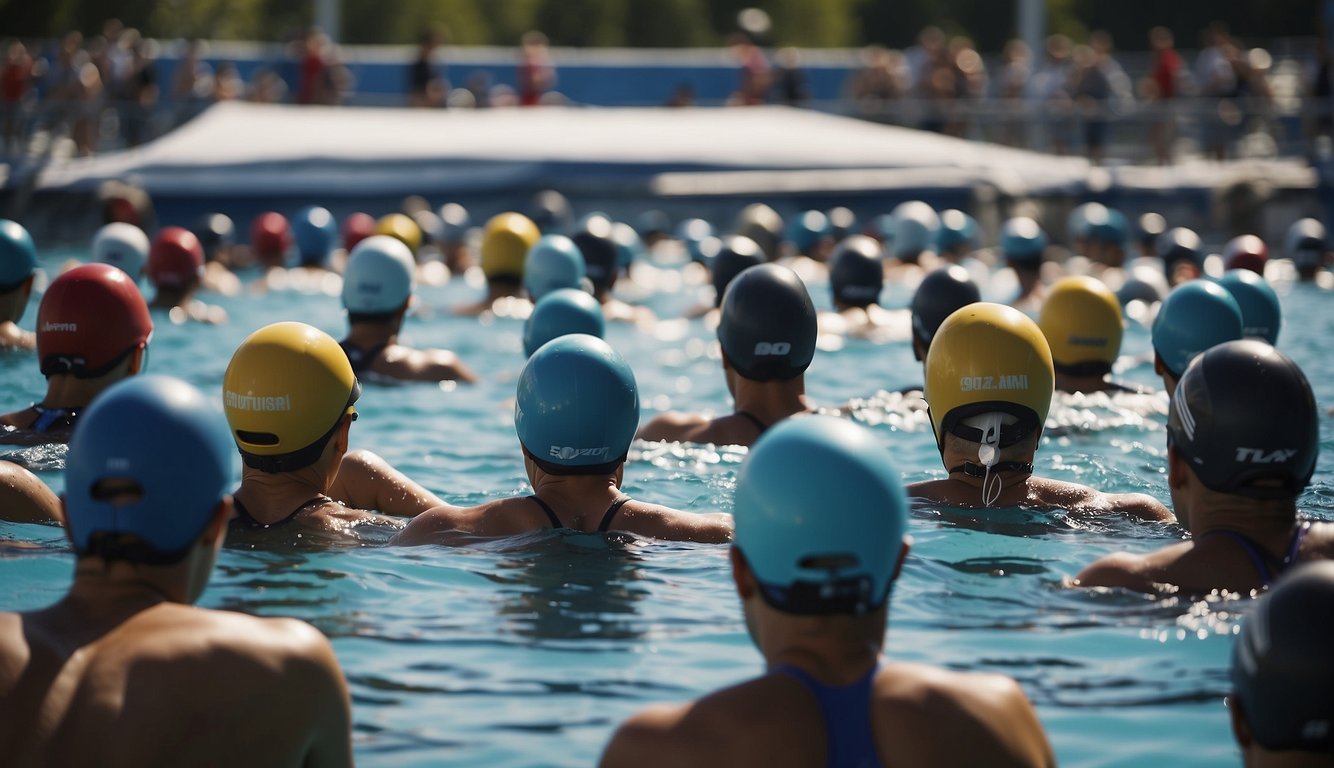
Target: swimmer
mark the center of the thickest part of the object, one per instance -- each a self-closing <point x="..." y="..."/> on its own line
<point x="1195" y="316"/>
<point x="575" y="414"/>
<point x="1305" y="243"/>
<point x="1148" y="227"/>
<point x="377" y="293"/>
<point x="1242" y="438"/>
<point x="125" y="653"/>
<point x="989" y="382"/>
<point x="315" y="234"/>
<point x="93" y="330"/>
<point x="551" y="212"/>
<point x="735" y="254"/>
<point x="270" y="240"/>
<point x="554" y="262"/>
<point x="18" y="265"/>
<point x="505" y="244"/>
<point x="767" y="330"/>
<point x="1246" y="252"/>
<point x="24" y="498"/>
<point x="915" y="227"/>
<point x="1182" y="255"/>
<point x="1081" y="320"/>
<point x="939" y="294"/>
<point x="856" y="278"/>
<point x="820" y="540"/>
<point x="454" y="249"/>
<point x="288" y="394"/>
<point x="1024" y="245"/>
<point x="808" y="236"/>
<point x="123" y="246"/>
<point x="1105" y="235"/>
<point x="217" y="235"/>
<point x="403" y="228"/>
<point x="176" y="269"/>
<point x="762" y="224"/>
<point x="594" y="235"/>
<point x="356" y="227"/>
<point x="1281" y="710"/>
<point x="1261" y="314"/>
<point x="561" y="312"/>
<point x="957" y="236"/>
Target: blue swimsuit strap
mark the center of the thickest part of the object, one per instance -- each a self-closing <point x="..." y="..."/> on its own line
<point x="53" y="418"/>
<point x="850" y="736"/>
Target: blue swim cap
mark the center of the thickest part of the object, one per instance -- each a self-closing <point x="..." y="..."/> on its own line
<point x="1281" y="670"/>
<point x="1023" y="242"/>
<point x="593" y="236"/>
<point x="455" y="221"/>
<point x="957" y="230"/>
<point x="1195" y="316"/>
<point x="767" y="328"/>
<point x="736" y="255"/>
<point x="315" y="233"/>
<point x="856" y="274"/>
<point x="1261" y="315"/>
<point x="553" y="262"/>
<point x="577" y="406"/>
<point x="820" y="516"/>
<point x="18" y="255"/>
<point x="915" y="229"/>
<point x="1179" y="244"/>
<point x="171" y="445"/>
<point x="123" y="246"/>
<point x="379" y="277"/>
<point x="1112" y="230"/>
<point x="560" y="312"/>
<point x="1148" y="228"/>
<point x="805" y="231"/>
<point x="940" y="293"/>
<point x="1081" y="217"/>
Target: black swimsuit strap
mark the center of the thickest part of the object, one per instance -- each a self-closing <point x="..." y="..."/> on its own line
<point x="615" y="507"/>
<point x="244" y="517"/>
<point x="555" y="521"/>
<point x="361" y="359"/>
<point x="753" y="419"/>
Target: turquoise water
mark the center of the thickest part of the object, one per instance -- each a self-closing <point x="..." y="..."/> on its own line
<point x="529" y="651"/>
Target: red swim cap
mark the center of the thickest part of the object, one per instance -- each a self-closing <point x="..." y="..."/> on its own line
<point x="89" y="320"/>
<point x="357" y="227"/>
<point x="176" y="259"/>
<point x="270" y="236"/>
<point x="1246" y="252"/>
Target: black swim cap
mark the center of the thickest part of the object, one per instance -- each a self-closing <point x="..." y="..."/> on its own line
<point x="1179" y="244"/>
<point x="1148" y="227"/>
<point x="767" y="328"/>
<point x="855" y="273"/>
<point x="1281" y="670"/>
<point x="593" y="236"/>
<point x="1244" y="418"/>
<point x="938" y="295"/>
<point x="215" y="232"/>
<point x="762" y="224"/>
<point x="736" y="255"/>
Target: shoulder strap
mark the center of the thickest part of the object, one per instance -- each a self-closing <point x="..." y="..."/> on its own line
<point x="615" y="507"/>
<point x="753" y="419"/>
<point x="555" y="521"/>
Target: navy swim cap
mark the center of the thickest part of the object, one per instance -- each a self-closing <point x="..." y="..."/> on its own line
<point x="1179" y="244"/>
<point x="593" y="236"/>
<point x="18" y="255"/>
<point x="736" y="255"/>
<point x="856" y="275"/>
<point x="767" y="328"/>
<point x="938" y="295"/>
<point x="915" y="226"/>
<point x="560" y="312"/>
<point x="1261" y="315"/>
<point x="215" y="232"/>
<point x="1147" y="229"/>
<point x="762" y="224"/>
<point x="1244" y="418"/>
<point x="150" y="460"/>
<point x="577" y="406"/>
<point x="653" y="223"/>
<point x="842" y="222"/>
<point x="1281" y="671"/>
<point x="553" y="262"/>
<point x="1305" y="243"/>
<point x="820" y="516"/>
<point x="1195" y="316"/>
<point x="551" y="212"/>
<point x="315" y="233"/>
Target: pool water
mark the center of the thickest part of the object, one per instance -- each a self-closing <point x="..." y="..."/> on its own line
<point x="529" y="651"/>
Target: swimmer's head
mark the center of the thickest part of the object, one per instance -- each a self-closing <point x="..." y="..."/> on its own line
<point x="629" y="246"/>
<point x="1261" y="314"/>
<point x="1079" y="223"/>
<point x="652" y="225"/>
<point x="1195" y="316"/>
<point x="1305" y="243"/>
<point x="767" y="328"/>
<point x="1281" y="671"/>
<point x="1023" y="242"/>
<point x="856" y="274"/>
<point x="915" y="227"/>
<point x="551" y="212"/>
<point x="401" y="227"/>
<point x="1148" y="228"/>
<point x="216" y="233"/>
<point x="820" y="517"/>
<point x="379" y="279"/>
<point x="146" y="470"/>
<point x="593" y="236"/>
<point x="286" y="392"/>
<point x="18" y="255"/>
<point x="270" y="238"/>
<point x="456" y="223"/>
<point x="430" y="225"/>
<point x="1244" y="419"/>
<point x="577" y="406"/>
<point x="91" y="319"/>
<point x="735" y="255"/>
<point x="939" y="294"/>
<point x="958" y="233"/>
<point x="554" y="262"/>
<point x="505" y="244"/>
<point x="316" y="234"/>
<point x="123" y="246"/>
<point x="842" y="222"/>
<point x="1179" y="244"/>
<point x="1081" y="320"/>
<point x="762" y="224"/>
<point x="357" y="227"/>
<point x="1246" y="252"/>
<point x="805" y="231"/>
<point x="176" y="260"/>
<point x="560" y="312"/>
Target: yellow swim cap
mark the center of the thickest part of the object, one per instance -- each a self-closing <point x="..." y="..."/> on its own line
<point x="505" y="245"/>
<point x="988" y="358"/>
<point x="403" y="228"/>
<point x="1081" y="319"/>
<point x="285" y="391"/>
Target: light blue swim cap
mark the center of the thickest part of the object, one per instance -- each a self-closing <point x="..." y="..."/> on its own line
<point x="18" y="255"/>
<point x="379" y="276"/>
<point x="1195" y="316"/>
<point x="123" y="246"/>
<point x="957" y="230"/>
<point x="552" y="263"/>
<point x="560" y="312"/>
<point x="915" y="226"/>
<point x="577" y="406"/>
<point x="173" y="447"/>
<point x="315" y="233"/>
<point x="805" y="231"/>
<point x="820" y="516"/>
<point x="1023" y="241"/>
<point x="1261" y="315"/>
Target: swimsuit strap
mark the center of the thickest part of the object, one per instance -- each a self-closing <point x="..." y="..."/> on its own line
<point x="849" y="733"/>
<point x="753" y="419"/>
<point x="53" y="418"/>
<point x="555" y="521"/>
<point x="1295" y="546"/>
<point x="615" y="507"/>
<point x="361" y="359"/>
<point x="1265" y="564"/>
<point x="244" y="517"/>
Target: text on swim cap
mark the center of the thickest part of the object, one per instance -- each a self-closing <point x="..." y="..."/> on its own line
<point x="972" y="383"/>
<point x="254" y="403"/>
<point x="772" y="348"/>
<point x="71" y="327"/>
<point x="1260" y="456"/>
<point x="566" y="453"/>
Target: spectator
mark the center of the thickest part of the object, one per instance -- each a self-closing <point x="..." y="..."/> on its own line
<point x="1216" y="81"/>
<point x="141" y="93"/>
<point x="1011" y="82"/>
<point x="789" y="79"/>
<point x="314" y="49"/>
<point x="756" y="76"/>
<point x="879" y="83"/>
<point x="1161" y="89"/>
<point x="1049" y="96"/>
<point x="536" y="73"/>
<point x="191" y="83"/>
<point x="427" y="87"/>
<point x="227" y="83"/>
<point x="15" y="85"/>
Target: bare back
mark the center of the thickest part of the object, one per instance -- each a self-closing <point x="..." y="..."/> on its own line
<point x="732" y="429"/>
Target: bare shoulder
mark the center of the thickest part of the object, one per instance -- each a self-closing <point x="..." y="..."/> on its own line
<point x="662" y="522"/>
<point x="460" y="525"/>
<point x="24" y="497"/>
<point x="931" y="490"/>
<point x="1082" y="499"/>
<point x="726" y="727"/>
<point x="672" y="426"/>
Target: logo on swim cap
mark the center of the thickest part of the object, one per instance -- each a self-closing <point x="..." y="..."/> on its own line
<point x="70" y="327"/>
<point x="566" y="453"/>
<point x="976" y="383"/>
<point x="1183" y="410"/>
<point x="1260" y="456"/>
<point x="241" y="402"/>
<point x="772" y="348"/>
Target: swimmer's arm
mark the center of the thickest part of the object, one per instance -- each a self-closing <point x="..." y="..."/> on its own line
<point x="312" y="674"/>
<point x="24" y="498"/>
<point x="1140" y="506"/>
<point x="675" y="525"/>
<point x="653" y="737"/>
<point x="455" y="525"/>
<point x="366" y="481"/>
<point x="426" y="365"/>
<point x="671" y="426"/>
<point x="1120" y="569"/>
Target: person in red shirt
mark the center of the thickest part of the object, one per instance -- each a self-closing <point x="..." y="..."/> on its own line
<point x="536" y="73"/>
<point x="1161" y="88"/>
<point x="312" y="67"/>
<point x="15" y="80"/>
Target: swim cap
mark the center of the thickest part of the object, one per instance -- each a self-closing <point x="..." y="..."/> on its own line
<point x="1195" y="316"/>
<point x="430" y="225"/>
<point x="18" y="255"/>
<point x="805" y="231"/>
<point x="735" y="255"/>
<point x="1107" y="226"/>
<point x="989" y="358"/>
<point x="215" y="232"/>
<point x="1246" y="252"/>
<point x="1023" y="242"/>
<point x="958" y="230"/>
<point x="551" y="212"/>
<point x="1281" y="671"/>
<point x="379" y="277"/>
<point x="505" y="243"/>
<point x="652" y="223"/>
<point x="767" y="328"/>
<point x="357" y="227"/>
<point x="315" y="233"/>
<point x="762" y="224"/>
<point x="577" y="406"/>
<point x="856" y="275"/>
<point x="122" y="245"/>
<point x="1147" y="229"/>
<point x="553" y="262"/>
<point x="1244" y="419"/>
<point x="1080" y="220"/>
<point x="842" y="222"/>
<point x="560" y="312"/>
<point x="628" y="245"/>
<point x="285" y="392"/>
<point x="939" y="294"/>
<point x="402" y="227"/>
<point x="1081" y="320"/>
<point x="1178" y="244"/>
<point x="1261" y="315"/>
<point x="270" y="237"/>
<point x="820" y="517"/>
<point x="90" y="319"/>
<point x="170" y="443"/>
<point x="456" y="223"/>
<point x="593" y="237"/>
<point x="915" y="227"/>
<point x="1305" y="243"/>
<point x="176" y="259"/>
